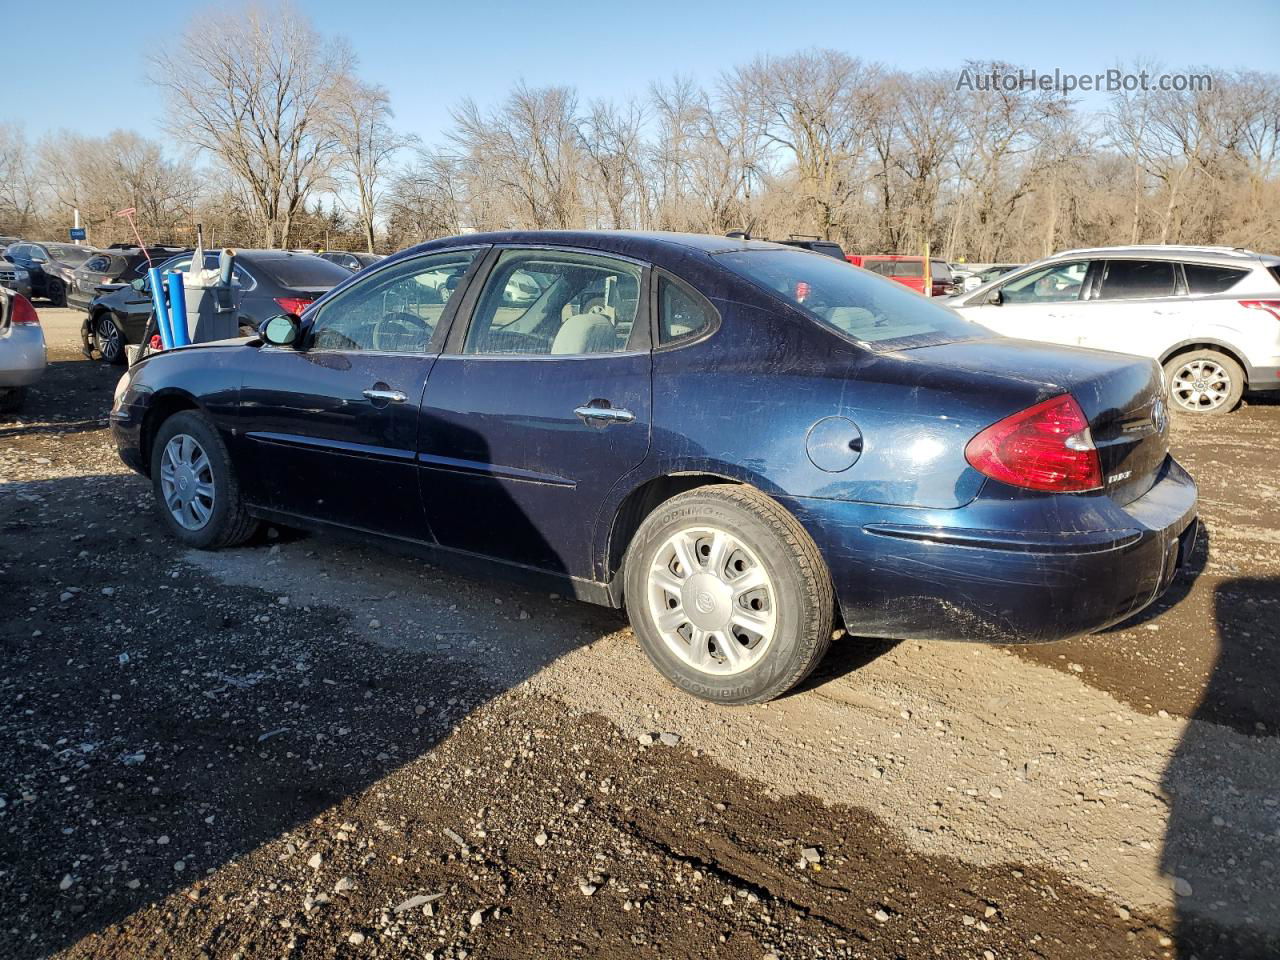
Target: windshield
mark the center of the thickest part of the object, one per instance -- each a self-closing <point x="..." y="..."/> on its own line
<point x="851" y="301"/>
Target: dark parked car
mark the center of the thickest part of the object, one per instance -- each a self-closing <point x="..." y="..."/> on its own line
<point x="112" y="268"/>
<point x="267" y="282"/>
<point x="50" y="266"/>
<point x="736" y="440"/>
<point x="827" y="247"/>
<point x="355" y="262"/>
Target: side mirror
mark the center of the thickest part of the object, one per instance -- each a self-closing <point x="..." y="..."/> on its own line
<point x="280" y="331"/>
<point x="995" y="298"/>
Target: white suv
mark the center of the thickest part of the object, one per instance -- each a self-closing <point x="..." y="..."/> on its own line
<point x="1209" y="315"/>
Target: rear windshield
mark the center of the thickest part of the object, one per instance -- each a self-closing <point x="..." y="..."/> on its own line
<point x="70" y="254"/>
<point x="303" y="271"/>
<point x="851" y="301"/>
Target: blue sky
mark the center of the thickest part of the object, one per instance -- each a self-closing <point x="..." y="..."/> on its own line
<point x="430" y="55"/>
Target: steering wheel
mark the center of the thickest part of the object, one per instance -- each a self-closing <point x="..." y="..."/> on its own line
<point x="393" y="329"/>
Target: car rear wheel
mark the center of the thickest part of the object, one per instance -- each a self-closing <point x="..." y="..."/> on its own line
<point x="1204" y="382"/>
<point x="195" y="484"/>
<point x="109" y="339"/>
<point x="57" y="293"/>
<point x="728" y="595"/>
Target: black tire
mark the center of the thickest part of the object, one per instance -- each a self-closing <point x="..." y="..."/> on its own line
<point x="1227" y="378"/>
<point x="56" y="291"/>
<point x="109" y="339"/>
<point x="800" y="591"/>
<point x="228" y="523"/>
<point x="11" y="399"/>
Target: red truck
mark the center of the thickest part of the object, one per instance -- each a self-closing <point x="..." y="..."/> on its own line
<point x="908" y="271"/>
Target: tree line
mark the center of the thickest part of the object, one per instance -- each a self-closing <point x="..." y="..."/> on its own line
<point x="289" y="147"/>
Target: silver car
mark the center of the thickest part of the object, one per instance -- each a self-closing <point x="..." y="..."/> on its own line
<point x="22" y="351"/>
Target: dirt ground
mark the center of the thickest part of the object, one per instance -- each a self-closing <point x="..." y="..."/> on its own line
<point x="305" y="748"/>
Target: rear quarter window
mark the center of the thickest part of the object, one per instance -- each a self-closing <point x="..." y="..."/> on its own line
<point x="99" y="264"/>
<point x="1204" y="278"/>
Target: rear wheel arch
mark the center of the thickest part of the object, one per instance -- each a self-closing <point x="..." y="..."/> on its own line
<point x="1218" y="346"/>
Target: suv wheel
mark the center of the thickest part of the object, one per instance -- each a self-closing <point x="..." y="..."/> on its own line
<point x="1204" y="382"/>
<point x="728" y="595"/>
<point x="195" y="484"/>
<point x="56" y="293"/>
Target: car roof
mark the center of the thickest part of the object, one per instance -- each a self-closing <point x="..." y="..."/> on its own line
<point x="1171" y="251"/>
<point x="657" y="246"/>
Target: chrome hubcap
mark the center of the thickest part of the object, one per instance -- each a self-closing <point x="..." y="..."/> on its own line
<point x="186" y="481"/>
<point x="712" y="600"/>
<point x="1200" y="385"/>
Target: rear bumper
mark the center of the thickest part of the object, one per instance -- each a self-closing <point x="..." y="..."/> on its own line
<point x="1022" y="570"/>
<point x="22" y="355"/>
<point x="1264" y="378"/>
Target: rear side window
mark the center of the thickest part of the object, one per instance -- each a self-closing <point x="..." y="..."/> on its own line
<point x="868" y="309"/>
<point x="1137" y="279"/>
<point x="681" y="314"/>
<point x="907" y="268"/>
<point x="1202" y="278"/>
<point x="883" y="267"/>
<point x="303" y="271"/>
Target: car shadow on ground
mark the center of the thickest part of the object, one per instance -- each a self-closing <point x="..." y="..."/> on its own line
<point x="156" y="723"/>
<point x="1220" y="850"/>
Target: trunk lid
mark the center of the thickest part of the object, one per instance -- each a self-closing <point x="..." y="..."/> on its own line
<point x="1121" y="395"/>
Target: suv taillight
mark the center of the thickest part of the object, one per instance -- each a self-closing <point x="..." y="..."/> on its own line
<point x="294" y="305"/>
<point x="1270" y="306"/>
<point x="23" y="311"/>
<point x="1046" y="447"/>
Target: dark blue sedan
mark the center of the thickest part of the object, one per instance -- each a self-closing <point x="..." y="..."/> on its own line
<point x="743" y="443"/>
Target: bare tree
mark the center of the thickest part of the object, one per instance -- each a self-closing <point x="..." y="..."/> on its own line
<point x="254" y="87"/>
<point x="19" y="190"/>
<point x="365" y="145"/>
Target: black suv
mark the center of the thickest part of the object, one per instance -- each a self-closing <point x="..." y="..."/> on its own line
<point x="50" y="266"/>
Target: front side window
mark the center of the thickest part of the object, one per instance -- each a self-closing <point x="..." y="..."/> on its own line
<point x="907" y="268"/>
<point x="940" y="271"/>
<point x="1052" y="284"/>
<point x="1138" y="279"/>
<point x="880" y="313"/>
<point x="1202" y="278"/>
<point x="541" y="302"/>
<point x="395" y="311"/>
<point x="681" y="314"/>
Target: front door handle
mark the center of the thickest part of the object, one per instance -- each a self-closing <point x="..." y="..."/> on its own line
<point x="606" y="415"/>
<point x="394" y="396"/>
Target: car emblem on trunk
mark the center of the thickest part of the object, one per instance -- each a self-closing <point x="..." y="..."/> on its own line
<point x="1159" y="416"/>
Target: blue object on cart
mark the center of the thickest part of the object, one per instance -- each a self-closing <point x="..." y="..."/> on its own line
<point x="178" y="311"/>
<point x="161" y="308"/>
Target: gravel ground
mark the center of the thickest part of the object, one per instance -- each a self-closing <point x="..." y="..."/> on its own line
<point x="304" y="748"/>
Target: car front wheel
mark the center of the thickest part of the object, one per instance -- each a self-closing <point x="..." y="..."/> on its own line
<point x="195" y="484"/>
<point x="728" y="595"/>
<point x="1204" y="382"/>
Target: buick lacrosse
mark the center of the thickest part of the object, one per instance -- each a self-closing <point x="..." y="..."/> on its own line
<point x="744" y="444"/>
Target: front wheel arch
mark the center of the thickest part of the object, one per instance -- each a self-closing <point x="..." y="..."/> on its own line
<point x="162" y="407"/>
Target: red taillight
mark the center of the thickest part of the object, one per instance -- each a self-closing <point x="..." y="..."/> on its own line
<point x="1045" y="447"/>
<point x="1270" y="306"/>
<point x="294" y="305"/>
<point x="23" y="311"/>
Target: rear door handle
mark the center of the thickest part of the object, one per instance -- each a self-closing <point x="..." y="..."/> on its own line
<point x="394" y="396"/>
<point x="605" y="414"/>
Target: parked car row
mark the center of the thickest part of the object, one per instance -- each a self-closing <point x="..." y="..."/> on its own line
<point x="265" y="283"/>
<point x="49" y="268"/>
